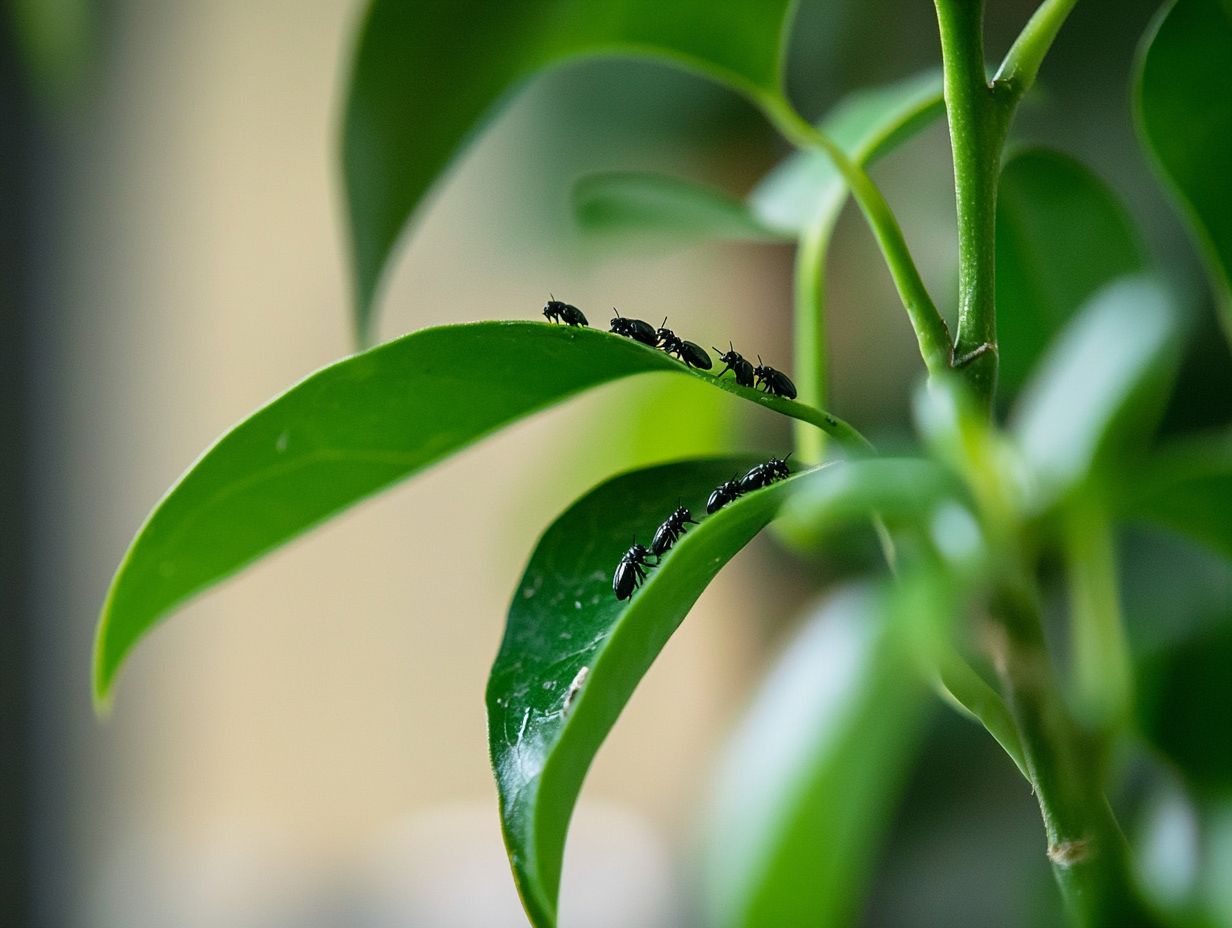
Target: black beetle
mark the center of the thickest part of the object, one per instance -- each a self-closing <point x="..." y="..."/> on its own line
<point x="558" y="311"/>
<point x="631" y="571"/>
<point x="671" y="530"/>
<point x="691" y="353"/>
<point x="723" y="494"/>
<point x="737" y="365"/>
<point x="765" y="474"/>
<point x="774" y="381"/>
<point x="635" y="329"/>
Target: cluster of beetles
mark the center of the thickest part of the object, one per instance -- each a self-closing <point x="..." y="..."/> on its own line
<point x="634" y="564"/>
<point x="692" y="354"/>
<point x="631" y="571"/>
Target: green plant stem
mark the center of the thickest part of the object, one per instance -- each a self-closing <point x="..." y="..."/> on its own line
<point x="1022" y="62"/>
<point x="980" y="114"/>
<point x="810" y="334"/>
<point x="931" y="331"/>
<point x="1088" y="854"/>
<point x="978" y="127"/>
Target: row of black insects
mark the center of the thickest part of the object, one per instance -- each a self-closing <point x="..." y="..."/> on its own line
<point x="631" y="571"/>
<point x="771" y="380"/>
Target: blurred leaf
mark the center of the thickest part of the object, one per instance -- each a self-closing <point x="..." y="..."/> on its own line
<point x="1184" y="116"/>
<point x="897" y="490"/>
<point x="566" y="631"/>
<point x="1187" y="489"/>
<point x="349" y="430"/>
<point x="639" y="203"/>
<point x="809" y="781"/>
<point x="1185" y="706"/>
<point x="1105" y="363"/>
<point x="804" y="190"/>
<point x="426" y="76"/>
<point x="807" y="187"/>
<point x="1061" y="235"/>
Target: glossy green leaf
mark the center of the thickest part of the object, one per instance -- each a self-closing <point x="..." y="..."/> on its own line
<point x="1184" y="114"/>
<point x="349" y="430"/>
<point x="807" y="187"/>
<point x="573" y="654"/>
<point x="427" y="75"/>
<point x="1061" y="235"/>
<point x="1187" y="489"/>
<point x="1103" y="365"/>
<point x="567" y="633"/>
<point x="808" y="783"/>
<point x="636" y="204"/>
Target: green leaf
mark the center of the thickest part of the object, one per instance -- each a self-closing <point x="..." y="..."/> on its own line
<point x="639" y="204"/>
<point x="1105" y="363"/>
<point x="567" y="633"/>
<point x="807" y="188"/>
<point x="426" y="76"/>
<point x="1185" y="704"/>
<point x="564" y="618"/>
<point x="1184" y="115"/>
<point x="1187" y="489"/>
<point x="897" y="490"/>
<point x="349" y="430"/>
<point x="807" y="784"/>
<point x="1061" y="235"/>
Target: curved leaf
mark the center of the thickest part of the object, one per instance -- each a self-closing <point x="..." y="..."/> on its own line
<point x="1188" y="490"/>
<point x="573" y="654"/>
<point x="1184" y="116"/>
<point x="1105" y="359"/>
<point x="808" y="782"/>
<point x="349" y="430"/>
<point x="427" y="75"/>
<point x="629" y="203"/>
<point x="1061" y="235"/>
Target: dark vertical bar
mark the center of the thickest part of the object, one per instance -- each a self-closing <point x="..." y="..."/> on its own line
<point x="18" y="140"/>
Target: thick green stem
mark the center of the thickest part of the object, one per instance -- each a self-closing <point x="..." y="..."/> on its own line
<point x="931" y="331"/>
<point x="980" y="114"/>
<point x="1088" y="854"/>
<point x="810" y="334"/>
<point x="978" y="125"/>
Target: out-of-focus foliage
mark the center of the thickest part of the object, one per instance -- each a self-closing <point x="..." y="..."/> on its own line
<point x="1187" y="123"/>
<point x="1061" y="235"/>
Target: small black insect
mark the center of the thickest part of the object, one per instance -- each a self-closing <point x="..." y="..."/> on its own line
<point x="737" y="365"/>
<point x="631" y="571"/>
<point x="723" y="494"/>
<point x="671" y="530"/>
<point x="557" y="311"/>
<point x="691" y="353"/>
<point x="765" y="474"/>
<point x="635" y="329"/>
<point x="774" y="381"/>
